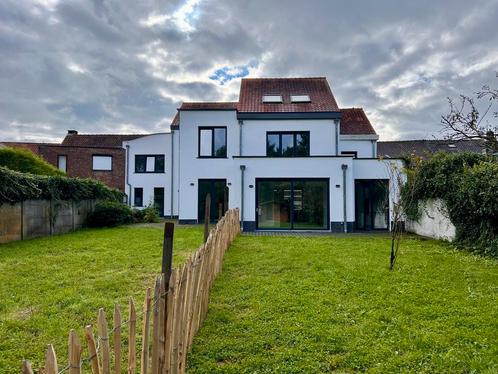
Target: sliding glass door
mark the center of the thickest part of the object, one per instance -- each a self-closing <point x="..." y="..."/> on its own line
<point x="300" y="204"/>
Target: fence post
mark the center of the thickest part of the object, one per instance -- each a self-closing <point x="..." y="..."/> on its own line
<point x="94" y="359"/>
<point x="145" y="334"/>
<point x="104" y="338"/>
<point x="74" y="353"/>
<point x="207" y="214"/>
<point x="117" y="339"/>
<point x="26" y="367"/>
<point x="169" y="230"/>
<point x="132" y="323"/>
<point x="51" y="361"/>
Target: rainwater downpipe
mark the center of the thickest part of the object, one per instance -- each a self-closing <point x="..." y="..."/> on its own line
<point x="336" y="122"/>
<point x="242" y="169"/>
<point x="128" y="173"/>
<point x="344" y="169"/>
<point x="240" y="136"/>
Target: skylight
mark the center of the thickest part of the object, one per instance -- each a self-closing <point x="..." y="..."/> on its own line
<point x="272" y="98"/>
<point x="300" y="98"/>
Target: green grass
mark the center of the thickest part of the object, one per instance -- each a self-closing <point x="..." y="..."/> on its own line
<point x="51" y="285"/>
<point x="306" y="305"/>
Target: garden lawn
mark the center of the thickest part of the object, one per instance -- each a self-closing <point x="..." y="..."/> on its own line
<point x="51" y="285"/>
<point x="321" y="304"/>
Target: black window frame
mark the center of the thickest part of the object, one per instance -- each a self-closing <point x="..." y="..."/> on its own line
<point x="141" y="196"/>
<point x="103" y="155"/>
<point x="212" y="128"/>
<point x="294" y="134"/>
<point x="155" y="164"/>
<point x="350" y="153"/>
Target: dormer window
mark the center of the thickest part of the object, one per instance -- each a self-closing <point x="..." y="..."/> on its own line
<point x="300" y="99"/>
<point x="272" y="98"/>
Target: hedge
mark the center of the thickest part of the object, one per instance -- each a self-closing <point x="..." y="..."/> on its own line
<point x="24" y="161"/>
<point x="16" y="187"/>
<point x="468" y="184"/>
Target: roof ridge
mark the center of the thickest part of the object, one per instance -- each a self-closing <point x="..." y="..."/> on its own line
<point x="282" y="78"/>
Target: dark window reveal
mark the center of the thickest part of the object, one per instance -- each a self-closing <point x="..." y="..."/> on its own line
<point x="350" y="153"/>
<point x="138" y="194"/>
<point x="149" y="164"/>
<point x="288" y="144"/>
<point x="213" y="142"/>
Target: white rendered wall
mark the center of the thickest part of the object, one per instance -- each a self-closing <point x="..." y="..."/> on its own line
<point x="155" y="144"/>
<point x="322" y="135"/>
<point x="193" y="168"/>
<point x="434" y="221"/>
<point x="364" y="148"/>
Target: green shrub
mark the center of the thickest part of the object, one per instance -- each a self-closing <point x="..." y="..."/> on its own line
<point x="109" y="213"/>
<point x="137" y="215"/>
<point x="16" y="187"/>
<point x="24" y="161"/>
<point x="468" y="184"/>
<point x="151" y="214"/>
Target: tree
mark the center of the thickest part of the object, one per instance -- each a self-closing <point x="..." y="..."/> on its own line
<point x="465" y="121"/>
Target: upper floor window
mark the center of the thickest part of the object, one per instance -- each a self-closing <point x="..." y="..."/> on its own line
<point x="272" y="98"/>
<point x="300" y="98"/>
<point x="213" y="142"/>
<point x="101" y="163"/>
<point x="288" y="144"/>
<point x="149" y="163"/>
<point x="62" y="162"/>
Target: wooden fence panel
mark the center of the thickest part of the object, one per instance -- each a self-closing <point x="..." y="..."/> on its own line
<point x="177" y="314"/>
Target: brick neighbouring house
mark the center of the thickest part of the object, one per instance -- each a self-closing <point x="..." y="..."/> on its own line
<point x="95" y="156"/>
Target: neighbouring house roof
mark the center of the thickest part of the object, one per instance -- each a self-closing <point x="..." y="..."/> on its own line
<point x="98" y="140"/>
<point x="354" y="121"/>
<point x="252" y="91"/>
<point x="422" y="148"/>
<point x="33" y="147"/>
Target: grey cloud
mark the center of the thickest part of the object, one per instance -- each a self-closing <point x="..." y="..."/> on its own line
<point x="397" y="60"/>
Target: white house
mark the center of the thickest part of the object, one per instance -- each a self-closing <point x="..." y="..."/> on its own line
<point x="285" y="154"/>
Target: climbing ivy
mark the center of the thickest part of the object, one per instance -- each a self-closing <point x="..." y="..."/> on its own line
<point x="468" y="184"/>
<point x="16" y="187"/>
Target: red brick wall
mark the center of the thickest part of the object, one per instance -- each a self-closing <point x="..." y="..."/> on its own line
<point x="79" y="162"/>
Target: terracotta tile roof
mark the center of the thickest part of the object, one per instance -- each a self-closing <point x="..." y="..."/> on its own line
<point x="354" y="121"/>
<point x="423" y="148"/>
<point x="176" y="120"/>
<point x="98" y="140"/>
<point x="216" y="105"/>
<point x="318" y="89"/>
<point x="33" y="147"/>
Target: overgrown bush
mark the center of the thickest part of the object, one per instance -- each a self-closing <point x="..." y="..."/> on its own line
<point x="24" y="161"/>
<point x="149" y="214"/>
<point x="468" y="184"/>
<point x="109" y="214"/>
<point x="16" y="187"/>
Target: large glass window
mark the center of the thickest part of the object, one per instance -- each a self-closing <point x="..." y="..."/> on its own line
<point x="213" y="142"/>
<point x="149" y="163"/>
<point x="300" y="204"/>
<point x="288" y="144"/>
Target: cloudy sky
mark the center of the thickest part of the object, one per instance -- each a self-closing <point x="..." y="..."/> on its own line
<point x="124" y="66"/>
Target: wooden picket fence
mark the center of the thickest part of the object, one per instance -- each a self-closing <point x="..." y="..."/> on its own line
<point x="170" y="318"/>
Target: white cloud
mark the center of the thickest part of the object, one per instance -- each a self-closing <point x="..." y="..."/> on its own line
<point x="183" y="17"/>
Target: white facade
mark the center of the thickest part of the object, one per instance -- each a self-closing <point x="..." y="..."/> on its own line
<point x="246" y="149"/>
<point x="148" y="179"/>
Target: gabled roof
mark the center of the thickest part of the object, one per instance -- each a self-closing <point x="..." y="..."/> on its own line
<point x="422" y="148"/>
<point x="252" y="91"/>
<point x="98" y="140"/>
<point x="354" y="121"/>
